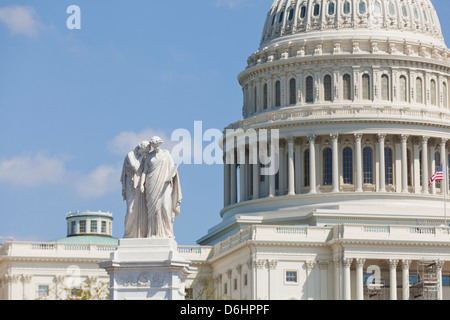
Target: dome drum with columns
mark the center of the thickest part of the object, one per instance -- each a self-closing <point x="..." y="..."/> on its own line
<point x="359" y="93"/>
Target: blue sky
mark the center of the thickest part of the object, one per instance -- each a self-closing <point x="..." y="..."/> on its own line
<point x="71" y="101"/>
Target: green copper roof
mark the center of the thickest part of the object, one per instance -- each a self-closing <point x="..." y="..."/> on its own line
<point x="89" y="239"/>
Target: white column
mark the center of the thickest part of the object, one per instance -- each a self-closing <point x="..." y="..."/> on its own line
<point x="359" y="169"/>
<point x="323" y="267"/>
<point x="439" y="265"/>
<point x="226" y="185"/>
<point x="242" y="175"/>
<point x="312" y="164"/>
<point x="337" y="272"/>
<point x="291" y="170"/>
<point x="425" y="164"/>
<point x="282" y="169"/>
<point x="233" y="182"/>
<point x="298" y="166"/>
<point x="335" y="156"/>
<point x="310" y="278"/>
<point x="405" y="279"/>
<point x="416" y="146"/>
<point x="381" y="138"/>
<point x="393" y="278"/>
<point x="404" y="139"/>
<point x="347" y="285"/>
<point x="360" y="278"/>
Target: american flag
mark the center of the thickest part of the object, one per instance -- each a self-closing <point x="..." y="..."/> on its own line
<point x="438" y="175"/>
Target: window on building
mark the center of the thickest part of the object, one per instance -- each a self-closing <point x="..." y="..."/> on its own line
<point x="419" y="90"/>
<point x="265" y="97"/>
<point x="409" y="167"/>
<point x="404" y="11"/>
<point x="281" y="17"/>
<point x="362" y="7"/>
<point x="225" y="288"/>
<point x="433" y="92"/>
<point x="368" y="165"/>
<point x="327" y="167"/>
<point x="303" y="12"/>
<point x="385" y="87"/>
<point x="388" y="166"/>
<point x="83" y="226"/>
<point x="377" y="8"/>
<point x="291" y="14"/>
<point x="403" y="89"/>
<point x="309" y="89"/>
<point x="255" y="100"/>
<point x="425" y="15"/>
<point x="327" y="87"/>
<point x="43" y="291"/>
<point x="245" y="279"/>
<point x="292" y="91"/>
<point x="347" y="156"/>
<point x="346" y="7"/>
<point x="416" y="13"/>
<point x="93" y="226"/>
<point x="347" y="87"/>
<point x="316" y="10"/>
<point x="331" y="9"/>
<point x="306" y="168"/>
<point x="366" y="87"/>
<point x="391" y="8"/>
<point x="235" y="284"/>
<point x="445" y="94"/>
<point x="291" y="277"/>
<point x="73" y="227"/>
<point x="103" y="226"/>
<point x="277" y="94"/>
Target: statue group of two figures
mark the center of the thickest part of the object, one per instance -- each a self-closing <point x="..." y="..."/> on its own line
<point x="151" y="189"/>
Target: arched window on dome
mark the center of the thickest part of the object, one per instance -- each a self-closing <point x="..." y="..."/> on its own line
<point x="368" y="165"/>
<point x="316" y="10"/>
<point x="433" y="93"/>
<point x="347" y="156"/>
<point x="303" y="12"/>
<point x="404" y="11"/>
<point x="292" y="91"/>
<point x="327" y="87"/>
<point x="391" y="7"/>
<point x="419" y="90"/>
<point x="366" y="87"/>
<point x="346" y="7"/>
<point x="362" y="7"/>
<point x="278" y="94"/>
<point x="347" y="87"/>
<point x="425" y="16"/>
<point x="291" y="14"/>
<point x="385" y="87"/>
<point x="377" y="8"/>
<point x="274" y="18"/>
<point x="309" y="89"/>
<point x="416" y="13"/>
<point x="445" y="94"/>
<point x="265" y="97"/>
<point x="403" y="89"/>
<point x="306" y="168"/>
<point x="331" y="8"/>
<point x="327" y="167"/>
<point x="280" y="20"/>
<point x="388" y="166"/>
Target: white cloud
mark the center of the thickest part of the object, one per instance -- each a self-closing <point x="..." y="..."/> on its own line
<point x="21" y="20"/>
<point x="126" y="141"/>
<point x="232" y="4"/>
<point x="32" y="170"/>
<point x="103" y="180"/>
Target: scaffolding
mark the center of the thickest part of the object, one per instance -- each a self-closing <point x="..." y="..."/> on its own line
<point x="427" y="286"/>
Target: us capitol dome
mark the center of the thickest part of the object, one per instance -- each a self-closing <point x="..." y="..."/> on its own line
<point x="358" y="90"/>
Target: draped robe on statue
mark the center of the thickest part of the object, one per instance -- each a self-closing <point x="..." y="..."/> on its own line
<point x="136" y="219"/>
<point x="163" y="194"/>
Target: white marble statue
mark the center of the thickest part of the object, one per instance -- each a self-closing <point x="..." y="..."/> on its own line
<point x="161" y="187"/>
<point x="136" y="218"/>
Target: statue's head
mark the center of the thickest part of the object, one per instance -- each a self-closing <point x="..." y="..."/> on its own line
<point x="156" y="142"/>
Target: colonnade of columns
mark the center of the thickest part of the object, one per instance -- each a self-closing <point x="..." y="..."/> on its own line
<point x="407" y="168"/>
<point x="343" y="286"/>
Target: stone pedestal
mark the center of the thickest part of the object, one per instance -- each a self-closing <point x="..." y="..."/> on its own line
<point x="147" y="269"/>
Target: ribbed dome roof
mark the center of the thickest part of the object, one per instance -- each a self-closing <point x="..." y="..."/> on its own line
<point x="297" y="19"/>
